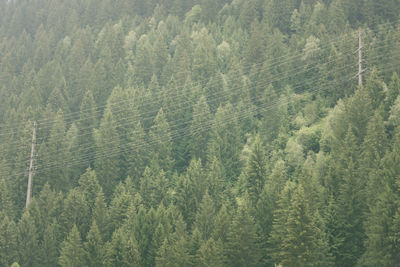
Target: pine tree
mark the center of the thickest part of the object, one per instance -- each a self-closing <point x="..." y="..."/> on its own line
<point x="94" y="247"/>
<point x="351" y="204"/>
<point x="205" y="217"/>
<point x="123" y="250"/>
<point x="72" y="154"/>
<point x="383" y="218"/>
<point x="72" y="251"/>
<point x="28" y="242"/>
<point x="87" y="122"/>
<point x="215" y="182"/>
<point x="56" y="150"/>
<point x="75" y="212"/>
<point x="225" y="143"/>
<point x="374" y="149"/>
<point x="255" y="171"/>
<point x="392" y="92"/>
<point x="189" y="191"/>
<point x="153" y="187"/>
<point x="211" y="253"/>
<point x="161" y="144"/>
<point x="304" y="243"/>
<point x="174" y="250"/>
<point x="137" y="156"/>
<point x="222" y="224"/>
<point x="50" y="246"/>
<point x="376" y="89"/>
<point x="123" y="105"/>
<point x="242" y="245"/>
<point x="200" y="138"/>
<point x="89" y="186"/>
<point x="100" y="214"/>
<point x="204" y="63"/>
<point x="107" y="163"/>
<point x="298" y="237"/>
<point x="381" y="243"/>
<point x="8" y="242"/>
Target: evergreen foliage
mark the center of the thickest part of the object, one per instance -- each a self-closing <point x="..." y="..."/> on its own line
<point x="200" y="133"/>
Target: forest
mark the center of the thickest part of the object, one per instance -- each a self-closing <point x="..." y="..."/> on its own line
<point x="200" y="133"/>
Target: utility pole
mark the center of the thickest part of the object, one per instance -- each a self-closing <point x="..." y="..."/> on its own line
<point x="360" y="70"/>
<point x="29" y="191"/>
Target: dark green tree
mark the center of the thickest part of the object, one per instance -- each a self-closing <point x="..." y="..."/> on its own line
<point x="50" y="245"/>
<point x="28" y="243"/>
<point x="72" y="251"/>
<point x="161" y="144"/>
<point x="256" y="170"/>
<point x="200" y="137"/>
<point x="242" y="247"/>
<point x="211" y="253"/>
<point x="107" y="162"/>
<point x="205" y="217"/>
<point x="87" y="122"/>
<point x="94" y="247"/>
<point x="8" y="242"/>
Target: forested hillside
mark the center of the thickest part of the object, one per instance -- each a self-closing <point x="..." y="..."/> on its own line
<point x="200" y="133"/>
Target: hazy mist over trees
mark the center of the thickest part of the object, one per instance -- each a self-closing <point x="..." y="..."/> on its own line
<point x="200" y="133"/>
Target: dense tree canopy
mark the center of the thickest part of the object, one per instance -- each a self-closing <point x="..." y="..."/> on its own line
<point x="200" y="133"/>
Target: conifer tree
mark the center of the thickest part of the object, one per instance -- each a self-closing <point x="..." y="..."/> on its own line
<point x="215" y="182"/>
<point x="100" y="214"/>
<point x="50" y="245"/>
<point x="304" y="242"/>
<point x="242" y="247"/>
<point x="153" y="187"/>
<point x="211" y="253"/>
<point x="205" y="217"/>
<point x="376" y="89"/>
<point x="392" y="92"/>
<point x="123" y="250"/>
<point x="351" y="204"/>
<point x="200" y="137"/>
<point x="75" y="212"/>
<point x="87" y="122"/>
<point x="107" y="163"/>
<point x="89" y="186"/>
<point x="225" y="142"/>
<point x="204" y="63"/>
<point x="374" y="149"/>
<point x="175" y="251"/>
<point x="383" y="220"/>
<point x="137" y="156"/>
<point x="222" y="224"/>
<point x="8" y="241"/>
<point x="255" y="171"/>
<point x="161" y="144"/>
<point x="189" y="191"/>
<point x="94" y="247"/>
<point x="28" y="243"/>
<point x="56" y="151"/>
<point x="72" y="251"/>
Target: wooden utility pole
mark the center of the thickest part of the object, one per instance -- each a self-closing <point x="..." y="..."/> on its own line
<point x="360" y="70"/>
<point x="29" y="191"/>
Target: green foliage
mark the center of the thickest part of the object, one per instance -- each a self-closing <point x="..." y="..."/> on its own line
<point x="199" y="133"/>
<point x="8" y="241"/>
<point x="299" y="234"/>
<point x="256" y="171"/>
<point x="242" y="242"/>
<point x="28" y="242"/>
<point x="107" y="153"/>
<point x="160" y="143"/>
<point x="72" y="252"/>
<point x="94" y="247"/>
